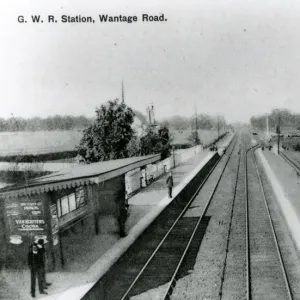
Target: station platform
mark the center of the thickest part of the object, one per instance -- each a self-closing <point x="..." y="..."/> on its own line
<point x="286" y="186"/>
<point x="81" y="275"/>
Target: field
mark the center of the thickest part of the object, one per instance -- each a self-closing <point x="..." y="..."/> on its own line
<point x="40" y="142"/>
<point x="206" y="136"/>
<point x="289" y="140"/>
<point x="292" y="143"/>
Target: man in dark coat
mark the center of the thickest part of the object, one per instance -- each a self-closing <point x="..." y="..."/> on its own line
<point x="35" y="263"/>
<point x="170" y="184"/>
<point x="122" y="221"/>
<point x="42" y="251"/>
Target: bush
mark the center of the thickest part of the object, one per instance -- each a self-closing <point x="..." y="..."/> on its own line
<point x="215" y="141"/>
<point x="297" y="147"/>
<point x="156" y="141"/>
<point x="108" y="137"/>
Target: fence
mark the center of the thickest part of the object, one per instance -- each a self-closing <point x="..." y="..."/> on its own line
<point x="139" y="178"/>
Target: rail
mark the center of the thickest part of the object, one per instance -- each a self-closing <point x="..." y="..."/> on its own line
<point x="287" y="284"/>
<point x="248" y="269"/>
<point x="290" y="161"/>
<point x="230" y="223"/>
<point x="171" y="283"/>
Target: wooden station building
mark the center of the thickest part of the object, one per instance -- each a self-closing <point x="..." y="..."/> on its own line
<point x="64" y="208"/>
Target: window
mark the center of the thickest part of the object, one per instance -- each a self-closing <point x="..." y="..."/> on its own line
<point x="58" y="205"/>
<point x="70" y="202"/>
<point x="64" y="205"/>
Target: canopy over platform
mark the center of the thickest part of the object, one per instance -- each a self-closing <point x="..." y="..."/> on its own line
<point x="79" y="176"/>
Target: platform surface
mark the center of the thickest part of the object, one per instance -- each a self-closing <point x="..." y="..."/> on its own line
<point x="286" y="186"/>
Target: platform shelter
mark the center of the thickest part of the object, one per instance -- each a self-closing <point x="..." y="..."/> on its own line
<point x="64" y="208"/>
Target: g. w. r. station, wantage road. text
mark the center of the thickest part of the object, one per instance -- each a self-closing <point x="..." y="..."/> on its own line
<point x="89" y="19"/>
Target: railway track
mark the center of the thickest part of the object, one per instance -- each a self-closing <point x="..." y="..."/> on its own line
<point x="182" y="239"/>
<point x="255" y="269"/>
<point x="161" y="257"/>
<point x="161" y="252"/>
<point x="233" y="281"/>
<point x="291" y="162"/>
<point x="265" y="269"/>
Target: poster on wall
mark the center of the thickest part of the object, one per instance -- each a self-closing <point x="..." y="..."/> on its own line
<point x="79" y="196"/>
<point x="54" y="218"/>
<point x="55" y="239"/>
<point x="38" y="237"/>
<point x="25" y="218"/>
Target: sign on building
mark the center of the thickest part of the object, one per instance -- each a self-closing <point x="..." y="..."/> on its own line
<point x="25" y="217"/>
<point x="54" y="218"/>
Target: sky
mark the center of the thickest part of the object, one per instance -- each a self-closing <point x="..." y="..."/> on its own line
<point x="235" y="58"/>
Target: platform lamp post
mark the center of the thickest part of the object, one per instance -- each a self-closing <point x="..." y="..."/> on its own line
<point x="173" y="153"/>
<point x="196" y="125"/>
<point x="267" y="127"/>
<point x="218" y="123"/>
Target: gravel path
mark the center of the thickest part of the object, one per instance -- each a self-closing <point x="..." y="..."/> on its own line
<point x="234" y="285"/>
<point x="204" y="281"/>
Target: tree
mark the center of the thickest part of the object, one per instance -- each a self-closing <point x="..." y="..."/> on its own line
<point x="204" y="121"/>
<point x="149" y="142"/>
<point x="194" y="138"/>
<point x="287" y="119"/>
<point x="108" y="137"/>
<point x="56" y="122"/>
<point x="133" y="146"/>
<point x="164" y="141"/>
<point x="156" y="141"/>
<point x="177" y="122"/>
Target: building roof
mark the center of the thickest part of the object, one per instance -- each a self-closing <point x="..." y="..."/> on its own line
<point x="78" y="176"/>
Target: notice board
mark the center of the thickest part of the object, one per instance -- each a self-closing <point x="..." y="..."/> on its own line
<point x="25" y="217"/>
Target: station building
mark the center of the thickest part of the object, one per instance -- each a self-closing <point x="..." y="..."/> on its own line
<point x="65" y="208"/>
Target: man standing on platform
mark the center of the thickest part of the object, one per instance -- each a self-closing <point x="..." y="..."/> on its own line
<point x="35" y="263"/>
<point x="170" y="184"/>
<point x="42" y="251"/>
<point x="122" y="221"/>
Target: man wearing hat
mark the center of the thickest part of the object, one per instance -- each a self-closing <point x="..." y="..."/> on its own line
<point x="170" y="184"/>
<point x="35" y="263"/>
<point x="42" y="251"/>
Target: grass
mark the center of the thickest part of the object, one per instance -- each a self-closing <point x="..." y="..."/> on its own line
<point x="39" y="142"/>
<point x="43" y="142"/>
<point x="206" y="136"/>
<point x="287" y="142"/>
<point x="16" y="174"/>
<point x="292" y="143"/>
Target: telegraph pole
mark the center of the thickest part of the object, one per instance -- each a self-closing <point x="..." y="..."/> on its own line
<point x="267" y="125"/>
<point x="149" y="115"/>
<point x="123" y="96"/>
<point x="153" y="116"/>
<point x="196" y="121"/>
<point x="218" y="126"/>
<point x="278" y="132"/>
<point x="196" y="124"/>
<point x="16" y="122"/>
